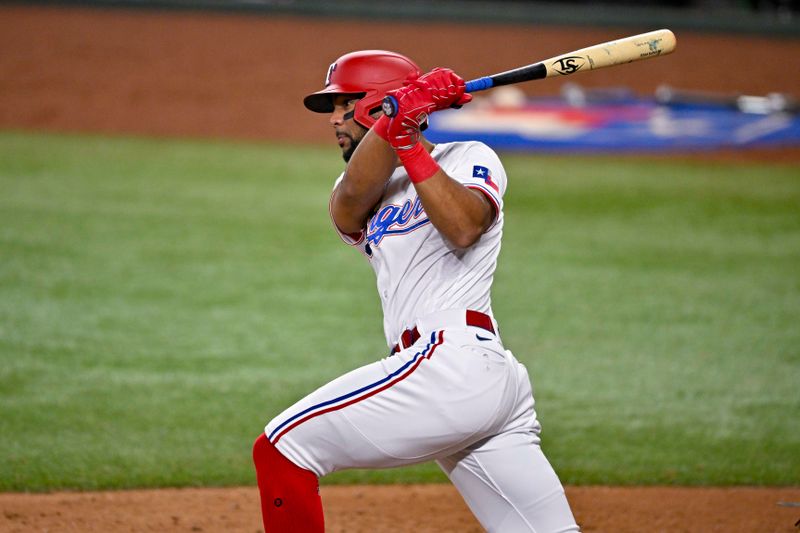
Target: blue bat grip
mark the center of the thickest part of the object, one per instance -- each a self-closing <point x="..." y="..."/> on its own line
<point x="480" y="84"/>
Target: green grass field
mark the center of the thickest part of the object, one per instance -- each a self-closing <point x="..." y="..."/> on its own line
<point x="160" y="301"/>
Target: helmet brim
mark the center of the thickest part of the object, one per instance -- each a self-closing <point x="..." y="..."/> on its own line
<point x="322" y="101"/>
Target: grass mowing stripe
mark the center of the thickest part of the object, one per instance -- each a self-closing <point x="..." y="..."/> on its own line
<point x="161" y="300"/>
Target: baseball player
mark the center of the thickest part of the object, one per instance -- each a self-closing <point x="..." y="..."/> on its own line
<point x="429" y="220"/>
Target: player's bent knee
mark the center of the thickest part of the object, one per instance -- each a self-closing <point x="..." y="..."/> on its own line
<point x="267" y="458"/>
<point x="289" y="494"/>
<point x="260" y="449"/>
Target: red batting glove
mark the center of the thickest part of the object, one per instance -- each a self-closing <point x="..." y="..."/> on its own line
<point x="414" y="103"/>
<point x="447" y="89"/>
<point x="381" y="127"/>
<point x="417" y="99"/>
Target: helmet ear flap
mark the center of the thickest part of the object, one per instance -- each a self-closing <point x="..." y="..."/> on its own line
<point x="366" y="107"/>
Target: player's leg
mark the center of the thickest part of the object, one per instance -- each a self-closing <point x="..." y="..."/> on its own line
<point x="289" y="494"/>
<point x="510" y="486"/>
<point x="506" y="480"/>
<point x="314" y="437"/>
<point x="380" y="415"/>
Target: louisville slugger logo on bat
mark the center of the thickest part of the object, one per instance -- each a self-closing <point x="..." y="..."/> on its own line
<point x="568" y="65"/>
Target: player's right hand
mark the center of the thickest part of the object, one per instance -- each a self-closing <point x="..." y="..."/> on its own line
<point x="447" y="89"/>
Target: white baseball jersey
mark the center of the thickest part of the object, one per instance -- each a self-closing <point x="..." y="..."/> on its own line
<point x="418" y="271"/>
<point x="455" y="395"/>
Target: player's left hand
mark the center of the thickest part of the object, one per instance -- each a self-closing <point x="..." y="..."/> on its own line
<point x="404" y="131"/>
<point x="414" y="103"/>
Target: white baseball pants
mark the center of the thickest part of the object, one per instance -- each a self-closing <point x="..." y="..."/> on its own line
<point x="456" y="397"/>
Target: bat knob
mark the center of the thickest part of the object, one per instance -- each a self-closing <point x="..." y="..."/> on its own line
<point x="389" y="106"/>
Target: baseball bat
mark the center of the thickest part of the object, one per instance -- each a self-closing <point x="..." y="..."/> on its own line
<point x="626" y="50"/>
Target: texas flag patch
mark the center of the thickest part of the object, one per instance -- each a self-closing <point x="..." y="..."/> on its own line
<point x="486" y="175"/>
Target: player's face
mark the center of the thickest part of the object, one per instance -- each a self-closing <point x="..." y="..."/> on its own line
<point x="348" y="132"/>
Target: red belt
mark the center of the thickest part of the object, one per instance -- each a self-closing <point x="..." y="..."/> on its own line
<point x="473" y="318"/>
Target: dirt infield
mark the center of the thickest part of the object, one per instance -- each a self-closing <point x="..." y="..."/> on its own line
<point x="235" y="76"/>
<point x="418" y="508"/>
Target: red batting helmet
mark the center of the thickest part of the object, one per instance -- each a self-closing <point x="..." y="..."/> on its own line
<point x="367" y="74"/>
